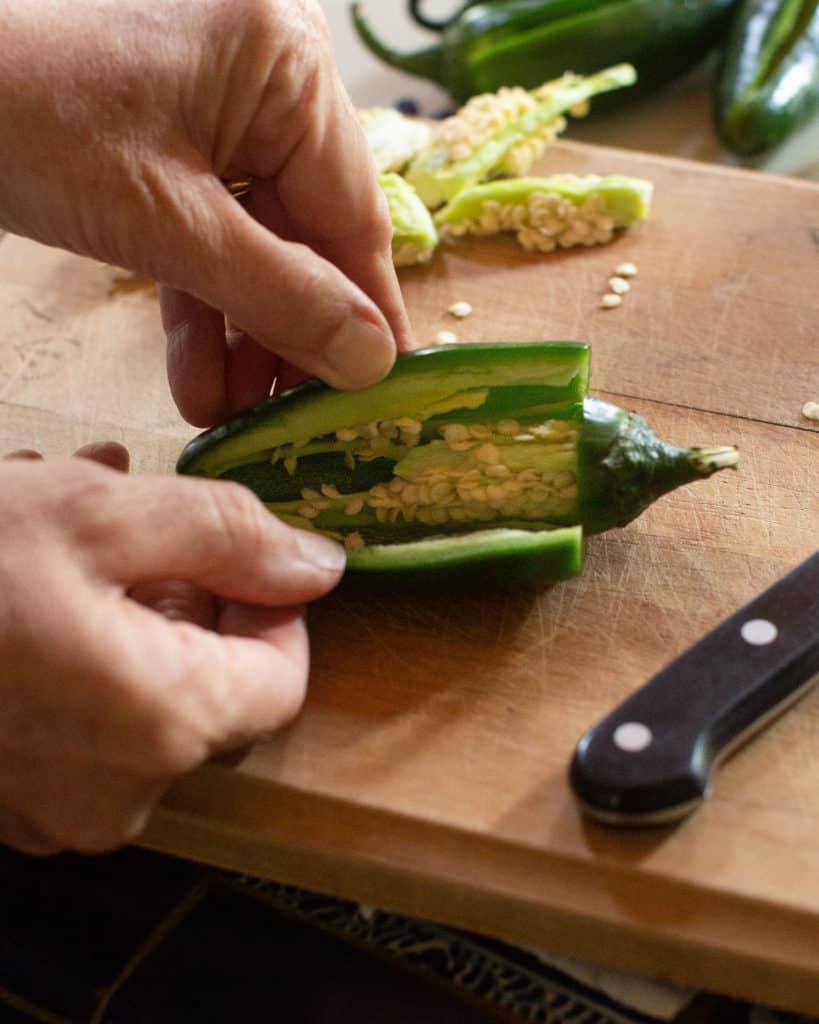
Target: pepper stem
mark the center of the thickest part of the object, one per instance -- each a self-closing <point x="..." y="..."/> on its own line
<point x="426" y="63"/>
<point x="710" y="460"/>
<point x="624" y="467"/>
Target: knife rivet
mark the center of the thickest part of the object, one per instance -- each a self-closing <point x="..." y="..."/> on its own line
<point x="632" y="737"/>
<point x="758" y="632"/>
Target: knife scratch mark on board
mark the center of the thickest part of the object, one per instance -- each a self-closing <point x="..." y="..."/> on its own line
<point x="29" y="356"/>
<point x="730" y="293"/>
<point x="541" y="629"/>
<point x="38" y="359"/>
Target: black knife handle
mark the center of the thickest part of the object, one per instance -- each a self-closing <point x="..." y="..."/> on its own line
<point x="651" y="760"/>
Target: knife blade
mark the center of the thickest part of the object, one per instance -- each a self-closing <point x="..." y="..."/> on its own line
<point x="652" y="759"/>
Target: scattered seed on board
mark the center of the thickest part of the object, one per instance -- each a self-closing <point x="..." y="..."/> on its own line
<point x="619" y="285"/>
<point x="810" y="410"/>
<point x="446" y="338"/>
<point x="610" y="301"/>
<point x="460" y="309"/>
<point x="626" y="270"/>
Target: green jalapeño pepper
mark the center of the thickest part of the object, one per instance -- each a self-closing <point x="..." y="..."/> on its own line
<point x="468" y="463"/>
<point x="768" y="84"/>
<point x="525" y="42"/>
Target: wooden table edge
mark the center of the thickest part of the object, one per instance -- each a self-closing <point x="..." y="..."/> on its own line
<point x="469" y="880"/>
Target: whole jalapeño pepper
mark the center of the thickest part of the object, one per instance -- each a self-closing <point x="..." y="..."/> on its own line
<point x="467" y="464"/>
<point x="525" y="42"/>
<point x="768" y="85"/>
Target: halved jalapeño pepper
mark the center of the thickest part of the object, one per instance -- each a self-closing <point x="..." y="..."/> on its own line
<point x="467" y="464"/>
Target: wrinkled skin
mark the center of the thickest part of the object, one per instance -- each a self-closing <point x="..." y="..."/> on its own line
<point x="145" y="624"/>
<point x="148" y="623"/>
<point x="117" y="122"/>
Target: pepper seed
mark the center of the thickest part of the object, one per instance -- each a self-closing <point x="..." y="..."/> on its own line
<point x="460" y="309"/>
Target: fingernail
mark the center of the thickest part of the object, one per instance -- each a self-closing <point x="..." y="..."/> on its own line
<point x="24" y="453"/>
<point x="320" y="551"/>
<point x="358" y="354"/>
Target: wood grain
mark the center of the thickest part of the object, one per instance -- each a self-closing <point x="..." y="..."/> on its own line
<point x="427" y="772"/>
<point x="724" y="314"/>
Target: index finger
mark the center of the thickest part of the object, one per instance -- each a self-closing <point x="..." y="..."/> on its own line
<point x="329" y="190"/>
<point x="214" y="534"/>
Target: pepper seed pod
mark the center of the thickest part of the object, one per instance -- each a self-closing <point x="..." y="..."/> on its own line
<point x="547" y="213"/>
<point x="469" y="462"/>
<point x="502" y="133"/>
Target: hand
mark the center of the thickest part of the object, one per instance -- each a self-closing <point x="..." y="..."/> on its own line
<point x="117" y="122"/>
<point x="145" y="624"/>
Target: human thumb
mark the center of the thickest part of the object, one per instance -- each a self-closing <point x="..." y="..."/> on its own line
<point x="282" y="293"/>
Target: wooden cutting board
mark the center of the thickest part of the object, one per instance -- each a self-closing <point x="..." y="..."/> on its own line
<point x="427" y="772"/>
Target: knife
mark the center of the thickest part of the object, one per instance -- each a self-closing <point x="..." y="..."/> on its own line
<point x="651" y="761"/>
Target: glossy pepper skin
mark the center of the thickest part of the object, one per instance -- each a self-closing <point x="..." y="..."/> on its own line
<point x="498" y="559"/>
<point x="468" y="463"/>
<point x="526" y="42"/>
<point x="768" y="84"/>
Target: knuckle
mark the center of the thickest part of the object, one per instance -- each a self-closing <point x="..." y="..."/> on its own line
<point x="237" y="518"/>
<point x="295" y="31"/>
<point x="256" y="15"/>
<point x="304" y="19"/>
<point x="89" y="504"/>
